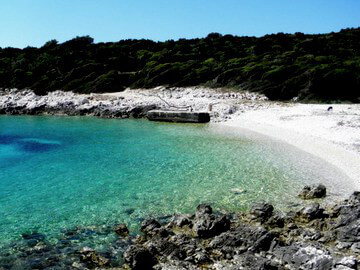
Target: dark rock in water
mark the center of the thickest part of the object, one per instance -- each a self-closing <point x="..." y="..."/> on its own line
<point x="150" y="226"/>
<point x="121" y="230"/>
<point x="35" y="235"/>
<point x="262" y="211"/>
<point x="164" y="219"/>
<point x="312" y="212"/>
<point x="139" y="258"/>
<point x="33" y="239"/>
<point x="203" y="209"/>
<point x="208" y="225"/>
<point x="355" y="197"/>
<point x="180" y="221"/>
<point x="35" y="263"/>
<point x="92" y="259"/>
<point x="129" y="211"/>
<point x="313" y="192"/>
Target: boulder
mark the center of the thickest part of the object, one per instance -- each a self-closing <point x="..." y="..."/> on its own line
<point x="263" y="242"/>
<point x="139" y="258"/>
<point x="165" y="248"/>
<point x="347" y="214"/>
<point x="150" y="226"/>
<point x="355" y="197"/>
<point x="180" y="221"/>
<point x="276" y="220"/>
<point x="312" y="258"/>
<point x="262" y="211"/>
<point x="313" y="192"/>
<point x="311" y="212"/>
<point x="226" y="240"/>
<point x="208" y="225"/>
<point x="349" y="233"/>
<point x="347" y="262"/>
<point x="305" y="257"/>
<point x="203" y="209"/>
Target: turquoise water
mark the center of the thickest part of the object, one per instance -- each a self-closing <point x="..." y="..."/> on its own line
<point x="61" y="172"/>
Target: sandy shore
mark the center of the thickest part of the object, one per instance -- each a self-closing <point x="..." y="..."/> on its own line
<point x="333" y="135"/>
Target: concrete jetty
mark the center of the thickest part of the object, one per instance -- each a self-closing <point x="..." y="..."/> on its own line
<point x="178" y="116"/>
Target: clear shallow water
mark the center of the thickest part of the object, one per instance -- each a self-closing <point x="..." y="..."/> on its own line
<point x="61" y="172"/>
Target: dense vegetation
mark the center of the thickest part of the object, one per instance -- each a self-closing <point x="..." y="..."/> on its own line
<point x="312" y="67"/>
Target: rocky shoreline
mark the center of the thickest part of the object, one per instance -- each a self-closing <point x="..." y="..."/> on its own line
<point x="130" y="103"/>
<point x="313" y="237"/>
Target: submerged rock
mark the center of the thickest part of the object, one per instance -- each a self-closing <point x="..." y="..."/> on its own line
<point x="32" y="239"/>
<point x="121" y="230"/>
<point x="92" y="259"/>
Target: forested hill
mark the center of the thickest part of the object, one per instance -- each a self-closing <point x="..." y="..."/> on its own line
<point x="322" y="67"/>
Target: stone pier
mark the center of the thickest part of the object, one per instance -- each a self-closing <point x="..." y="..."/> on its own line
<point x="178" y="116"/>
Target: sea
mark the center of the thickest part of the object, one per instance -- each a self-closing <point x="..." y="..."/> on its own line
<point x="60" y="172"/>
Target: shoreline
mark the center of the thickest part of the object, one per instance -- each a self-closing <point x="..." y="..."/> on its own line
<point x="310" y="128"/>
<point x="333" y="136"/>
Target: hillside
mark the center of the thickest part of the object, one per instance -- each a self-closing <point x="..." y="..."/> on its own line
<point x="322" y="67"/>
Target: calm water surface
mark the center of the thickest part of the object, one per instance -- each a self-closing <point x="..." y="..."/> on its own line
<point x="61" y="172"/>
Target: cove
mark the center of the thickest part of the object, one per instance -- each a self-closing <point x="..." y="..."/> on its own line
<point x="61" y="172"/>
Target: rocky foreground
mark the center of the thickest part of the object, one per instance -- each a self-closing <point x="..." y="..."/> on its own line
<point x="130" y="103"/>
<point x="314" y="237"/>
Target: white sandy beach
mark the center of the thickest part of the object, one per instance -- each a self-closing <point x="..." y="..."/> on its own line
<point x="331" y="135"/>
